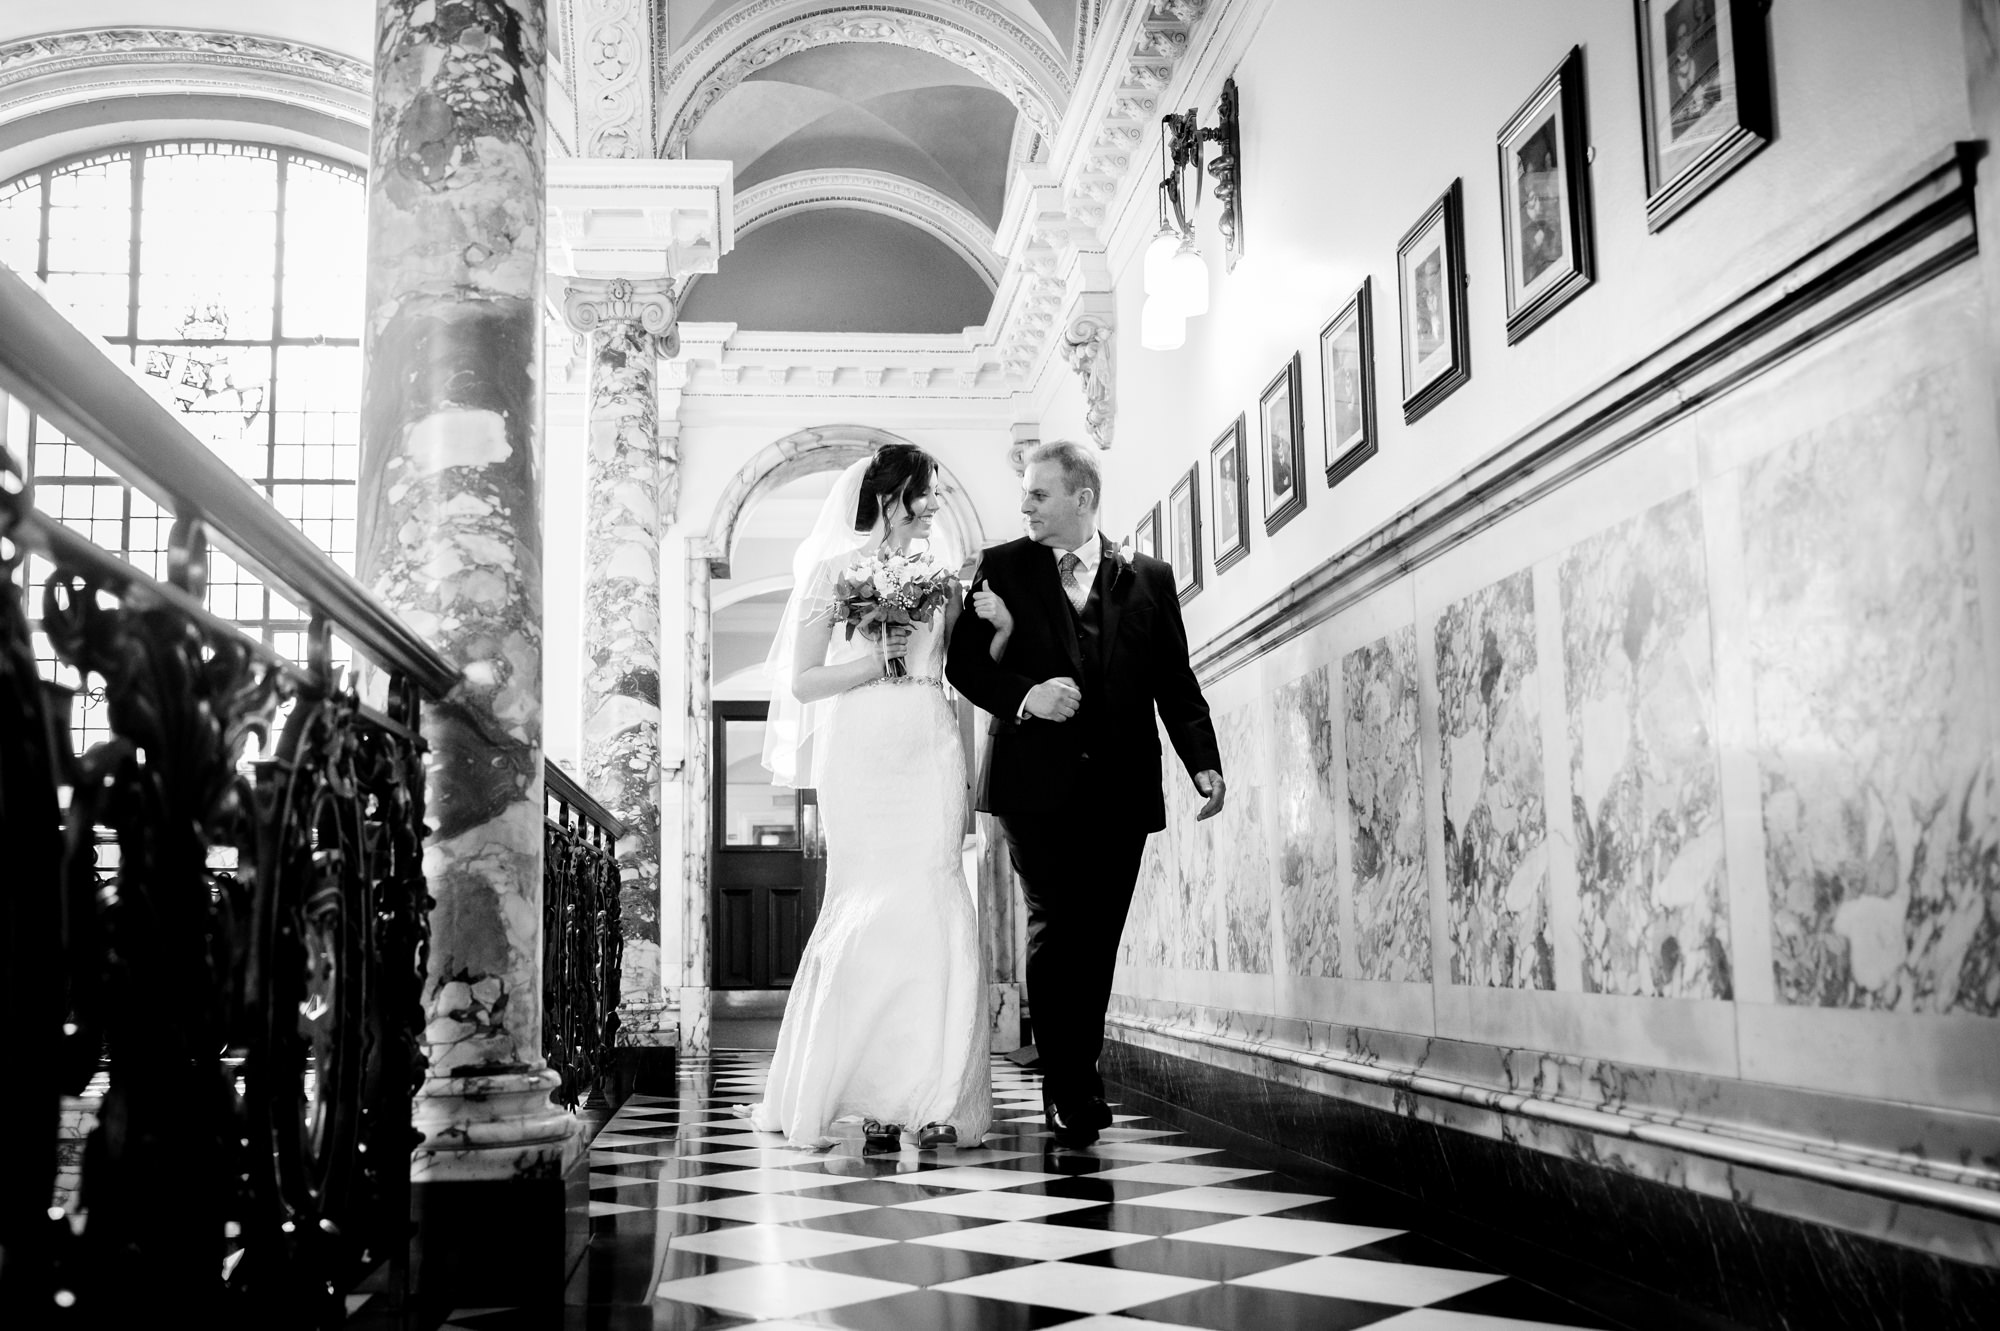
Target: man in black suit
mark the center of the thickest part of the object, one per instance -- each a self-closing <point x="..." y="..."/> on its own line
<point x="1089" y="643"/>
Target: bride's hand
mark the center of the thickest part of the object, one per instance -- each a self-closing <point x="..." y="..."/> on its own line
<point x="986" y="603"/>
<point x="895" y="642"/>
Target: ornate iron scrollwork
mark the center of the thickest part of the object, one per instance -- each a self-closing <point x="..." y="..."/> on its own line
<point x="249" y="975"/>
<point x="581" y="953"/>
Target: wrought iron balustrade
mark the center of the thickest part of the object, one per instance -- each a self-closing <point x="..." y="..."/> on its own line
<point x="581" y="948"/>
<point x="248" y="965"/>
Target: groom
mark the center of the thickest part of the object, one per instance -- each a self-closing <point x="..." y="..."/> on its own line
<point x="1073" y="769"/>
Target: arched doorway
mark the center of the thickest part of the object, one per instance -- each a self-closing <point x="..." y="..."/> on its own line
<point x="785" y="467"/>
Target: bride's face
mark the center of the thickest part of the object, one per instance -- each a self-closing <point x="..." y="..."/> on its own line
<point x="911" y="515"/>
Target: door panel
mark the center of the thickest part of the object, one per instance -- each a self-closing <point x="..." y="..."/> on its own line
<point x="763" y="910"/>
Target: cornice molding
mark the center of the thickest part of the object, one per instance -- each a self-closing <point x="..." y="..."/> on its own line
<point x="877" y="192"/>
<point x="1013" y="61"/>
<point x="55" y="69"/>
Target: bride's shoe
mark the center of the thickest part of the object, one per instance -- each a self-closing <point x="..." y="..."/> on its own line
<point x="879" y="1137"/>
<point x="936" y="1135"/>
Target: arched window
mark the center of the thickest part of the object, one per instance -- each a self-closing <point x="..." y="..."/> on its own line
<point x="232" y="273"/>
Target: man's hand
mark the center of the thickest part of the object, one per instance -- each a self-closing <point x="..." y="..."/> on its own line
<point x="1053" y="699"/>
<point x="1211" y="785"/>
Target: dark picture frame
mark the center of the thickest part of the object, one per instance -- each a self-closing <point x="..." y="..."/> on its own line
<point x="1146" y="533"/>
<point x="1548" y="250"/>
<point x="1704" y="96"/>
<point x="1184" y="532"/>
<point x="1430" y="282"/>
<point x="1229" y="483"/>
<point x="1347" y="384"/>
<point x="1281" y="416"/>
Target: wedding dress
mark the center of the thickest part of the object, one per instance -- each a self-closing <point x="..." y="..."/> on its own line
<point x="887" y="1014"/>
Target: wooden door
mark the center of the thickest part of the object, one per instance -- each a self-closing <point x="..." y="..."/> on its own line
<point x="762" y="902"/>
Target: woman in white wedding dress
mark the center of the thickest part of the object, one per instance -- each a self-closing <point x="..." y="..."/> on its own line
<point x="887" y="1019"/>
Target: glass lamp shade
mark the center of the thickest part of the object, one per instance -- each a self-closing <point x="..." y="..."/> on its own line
<point x="1159" y="254"/>
<point x="1185" y="283"/>
<point x="1161" y="327"/>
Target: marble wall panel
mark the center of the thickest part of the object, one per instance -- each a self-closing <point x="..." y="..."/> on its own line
<point x="1241" y="855"/>
<point x="1302" y="802"/>
<point x="1495" y="821"/>
<point x="1880" y="799"/>
<point x="1644" y="791"/>
<point x="1385" y="792"/>
<point x="1149" y="930"/>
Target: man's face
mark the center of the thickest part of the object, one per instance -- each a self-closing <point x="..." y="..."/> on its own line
<point x="1055" y="516"/>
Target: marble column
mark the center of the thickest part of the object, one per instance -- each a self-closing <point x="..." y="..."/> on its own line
<point x="450" y="540"/>
<point x="697" y="769"/>
<point x="627" y="321"/>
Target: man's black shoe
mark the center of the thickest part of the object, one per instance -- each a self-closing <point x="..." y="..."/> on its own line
<point x="1067" y="1132"/>
<point x="1092" y="1113"/>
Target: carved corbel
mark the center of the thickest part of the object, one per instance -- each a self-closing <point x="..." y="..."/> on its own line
<point x="1087" y="348"/>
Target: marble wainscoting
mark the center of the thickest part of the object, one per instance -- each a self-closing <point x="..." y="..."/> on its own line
<point x="1496" y="852"/>
<point x="1242" y="859"/>
<point x="1571" y="1197"/>
<point x="1875" y="741"/>
<point x="1385" y="810"/>
<point x="1302" y="802"/>
<point x="1645" y="793"/>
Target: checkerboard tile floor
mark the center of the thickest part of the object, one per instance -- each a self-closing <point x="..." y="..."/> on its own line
<point x="697" y="1222"/>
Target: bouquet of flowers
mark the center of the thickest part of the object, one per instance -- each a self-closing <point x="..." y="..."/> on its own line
<point x="890" y="589"/>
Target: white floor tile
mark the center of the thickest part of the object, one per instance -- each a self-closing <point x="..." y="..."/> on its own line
<point x="1438" y="1319"/>
<point x="598" y="1208"/>
<point x="767" y="1208"/>
<point x="1143" y="1152"/>
<point x="757" y="1155"/>
<point x="1371" y="1282"/>
<point x="1030" y="1239"/>
<point x="1084" y="1289"/>
<point x="764" y="1180"/>
<point x="1102" y="1322"/>
<point x="778" y="1291"/>
<point x="997" y="1205"/>
<point x="973" y="1176"/>
<point x="773" y="1243"/>
<point x="1186" y="1175"/>
<point x="1227" y="1201"/>
<point x="1315" y="1238"/>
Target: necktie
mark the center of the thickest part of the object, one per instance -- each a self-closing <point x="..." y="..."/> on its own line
<point x="1069" y="564"/>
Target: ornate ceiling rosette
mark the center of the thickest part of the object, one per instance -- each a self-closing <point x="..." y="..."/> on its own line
<point x="1014" y="62"/>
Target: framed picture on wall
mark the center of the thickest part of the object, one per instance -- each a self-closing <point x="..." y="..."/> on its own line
<point x="1430" y="277"/>
<point x="1184" y="531"/>
<point x="1347" y="385"/>
<point x="1281" y="409"/>
<point x="1146" y="534"/>
<point x="1545" y="226"/>
<point x="1704" y="96"/>
<point x="1229" y="481"/>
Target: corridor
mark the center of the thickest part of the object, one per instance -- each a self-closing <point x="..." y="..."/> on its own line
<point x="697" y="1223"/>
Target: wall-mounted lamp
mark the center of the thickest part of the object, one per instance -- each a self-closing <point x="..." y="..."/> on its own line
<point x="1176" y="278"/>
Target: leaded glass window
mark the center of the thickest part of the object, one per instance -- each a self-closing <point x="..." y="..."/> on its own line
<point x="232" y="274"/>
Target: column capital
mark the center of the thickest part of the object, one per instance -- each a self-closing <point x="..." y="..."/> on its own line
<point x="646" y="301"/>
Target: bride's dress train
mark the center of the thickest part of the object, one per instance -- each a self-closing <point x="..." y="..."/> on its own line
<point x="887" y="1014"/>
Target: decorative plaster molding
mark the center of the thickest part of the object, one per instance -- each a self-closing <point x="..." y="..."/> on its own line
<point x="60" y="68"/>
<point x="1087" y="347"/>
<point x="590" y="301"/>
<point x="614" y="75"/>
<point x="1055" y="225"/>
<point x="1014" y="62"/>
<point x="877" y="192"/>
<point x="718" y="361"/>
<point x="640" y="217"/>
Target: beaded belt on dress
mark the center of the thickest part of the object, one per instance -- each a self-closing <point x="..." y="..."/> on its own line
<point x="935" y="681"/>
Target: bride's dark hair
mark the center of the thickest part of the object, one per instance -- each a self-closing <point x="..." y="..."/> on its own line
<point x="899" y="471"/>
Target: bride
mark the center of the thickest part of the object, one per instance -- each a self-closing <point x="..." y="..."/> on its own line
<point x="887" y="1015"/>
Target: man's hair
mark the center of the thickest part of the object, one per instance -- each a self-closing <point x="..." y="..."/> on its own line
<point x="1079" y="466"/>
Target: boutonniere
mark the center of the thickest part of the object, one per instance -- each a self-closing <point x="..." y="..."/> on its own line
<point x="1121" y="560"/>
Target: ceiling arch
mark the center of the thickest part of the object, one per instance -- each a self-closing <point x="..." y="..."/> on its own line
<point x="1014" y="61"/>
<point x="872" y="191"/>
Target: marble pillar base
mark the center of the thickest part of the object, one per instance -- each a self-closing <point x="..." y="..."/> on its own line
<point x="1524" y="1208"/>
<point x="694" y="1019"/>
<point x="494" y="1128"/>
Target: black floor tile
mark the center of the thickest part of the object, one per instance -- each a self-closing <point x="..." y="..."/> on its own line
<point x="1241" y="1307"/>
<point x="1200" y="1261"/>
<point x="935" y="1310"/>
<point x="922" y="1264"/>
<point x="888" y="1222"/>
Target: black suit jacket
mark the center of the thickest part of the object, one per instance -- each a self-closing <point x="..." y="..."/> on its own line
<point x="1106" y="758"/>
